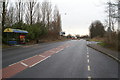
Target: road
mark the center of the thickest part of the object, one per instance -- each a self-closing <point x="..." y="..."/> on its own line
<point x="74" y="60"/>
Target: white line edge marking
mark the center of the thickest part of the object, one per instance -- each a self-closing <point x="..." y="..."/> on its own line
<point x="89" y="77"/>
<point x="21" y="60"/>
<point x="41" y="55"/>
<point x="24" y="64"/>
<point x="88" y="68"/>
<point x="39" y="61"/>
<point x="88" y="60"/>
<point x="13" y="64"/>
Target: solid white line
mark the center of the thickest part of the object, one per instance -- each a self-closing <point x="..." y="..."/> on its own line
<point x="88" y="68"/>
<point x="88" y="61"/>
<point x="24" y="64"/>
<point x="41" y="55"/>
<point x="89" y="77"/>
<point x="13" y="64"/>
<point x="39" y="61"/>
<point x="87" y="56"/>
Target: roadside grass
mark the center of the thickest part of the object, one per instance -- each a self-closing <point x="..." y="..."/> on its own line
<point x="97" y="39"/>
<point x="103" y="44"/>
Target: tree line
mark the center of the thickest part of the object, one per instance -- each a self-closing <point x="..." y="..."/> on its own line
<point x="39" y="19"/>
<point x="108" y="31"/>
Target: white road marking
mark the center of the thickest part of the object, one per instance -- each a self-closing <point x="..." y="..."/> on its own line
<point x="51" y="51"/>
<point x="88" y="60"/>
<point x="87" y="56"/>
<point x="39" y="61"/>
<point x="29" y="57"/>
<point x="87" y="52"/>
<point x="57" y="51"/>
<point x="88" y="68"/>
<point x="89" y="77"/>
<point x="13" y="64"/>
<point x="24" y="64"/>
<point x="61" y="49"/>
<point x="41" y="55"/>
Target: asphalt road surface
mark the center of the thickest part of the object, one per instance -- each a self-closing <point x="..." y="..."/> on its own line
<point x="74" y="61"/>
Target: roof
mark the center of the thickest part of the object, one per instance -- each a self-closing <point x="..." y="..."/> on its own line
<point x="15" y="30"/>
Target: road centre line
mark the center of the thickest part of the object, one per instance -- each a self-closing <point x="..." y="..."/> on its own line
<point x="87" y="53"/>
<point x="39" y="61"/>
<point x="88" y="68"/>
<point x="89" y="77"/>
<point x="87" y="56"/>
<point x="88" y="60"/>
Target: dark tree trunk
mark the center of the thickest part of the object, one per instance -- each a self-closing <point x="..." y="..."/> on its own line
<point x="3" y="16"/>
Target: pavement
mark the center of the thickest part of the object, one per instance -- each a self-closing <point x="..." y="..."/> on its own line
<point x="67" y="59"/>
<point x="113" y="54"/>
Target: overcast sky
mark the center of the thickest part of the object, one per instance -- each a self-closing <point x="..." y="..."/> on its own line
<point x="80" y="14"/>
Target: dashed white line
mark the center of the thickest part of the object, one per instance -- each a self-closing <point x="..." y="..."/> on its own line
<point x="39" y="61"/>
<point x="88" y="68"/>
<point x="87" y="56"/>
<point x="88" y="60"/>
<point x="89" y="77"/>
<point x="24" y="64"/>
<point x="87" y="53"/>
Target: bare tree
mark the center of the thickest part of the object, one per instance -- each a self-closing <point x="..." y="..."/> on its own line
<point x="19" y="10"/>
<point x="38" y="13"/>
<point x="31" y="11"/>
<point x="10" y="16"/>
<point x="48" y="11"/>
<point x="111" y="10"/>
<point x="57" y="19"/>
<point x="43" y="9"/>
<point x="4" y="5"/>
